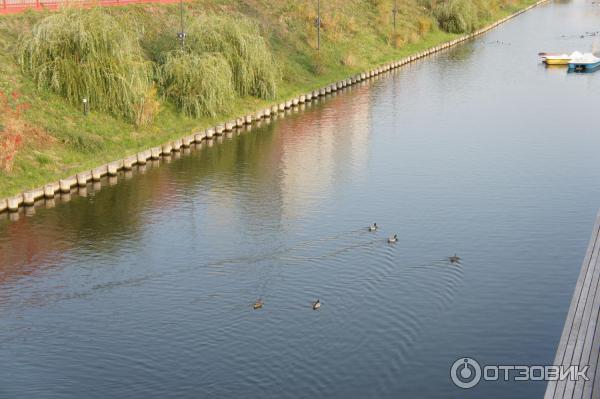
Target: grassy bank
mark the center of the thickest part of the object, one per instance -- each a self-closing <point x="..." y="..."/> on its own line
<point x="44" y="137"/>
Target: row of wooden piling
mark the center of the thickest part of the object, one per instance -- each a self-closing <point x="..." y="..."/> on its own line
<point x="28" y="198"/>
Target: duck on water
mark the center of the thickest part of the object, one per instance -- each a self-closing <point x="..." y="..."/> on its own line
<point x="454" y="259"/>
<point x="316" y="305"/>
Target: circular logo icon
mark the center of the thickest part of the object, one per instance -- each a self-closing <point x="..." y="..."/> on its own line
<point x="465" y="373"/>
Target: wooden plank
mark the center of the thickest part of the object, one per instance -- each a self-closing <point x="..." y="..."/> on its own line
<point x="580" y="357"/>
<point x="574" y="349"/>
<point x="588" y="389"/>
<point x="577" y="294"/>
<point x="554" y="389"/>
<point x="596" y="382"/>
<point x="591" y="344"/>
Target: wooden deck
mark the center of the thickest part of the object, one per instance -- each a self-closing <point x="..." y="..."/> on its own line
<point x="580" y="340"/>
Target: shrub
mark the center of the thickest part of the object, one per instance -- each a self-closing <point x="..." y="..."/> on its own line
<point x="147" y="110"/>
<point x="198" y="84"/>
<point x="239" y="40"/>
<point x="88" y="54"/>
<point x="12" y="129"/>
<point x="457" y="16"/>
<point x="424" y="26"/>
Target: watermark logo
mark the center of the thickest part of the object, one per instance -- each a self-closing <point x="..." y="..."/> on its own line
<point x="467" y="373"/>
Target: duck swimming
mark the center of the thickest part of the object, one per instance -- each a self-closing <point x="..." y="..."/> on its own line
<point x="373" y="227"/>
<point x="393" y="239"/>
<point x="316" y="305"/>
<point x="454" y="259"/>
<point x="258" y="304"/>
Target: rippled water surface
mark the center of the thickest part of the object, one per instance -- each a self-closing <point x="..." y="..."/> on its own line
<point x="143" y="288"/>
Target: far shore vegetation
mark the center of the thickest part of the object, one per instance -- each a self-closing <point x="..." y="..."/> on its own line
<point x="143" y="87"/>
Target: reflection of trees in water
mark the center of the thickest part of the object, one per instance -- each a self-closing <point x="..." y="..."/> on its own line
<point x="323" y="147"/>
<point x="105" y="217"/>
<point x="248" y="169"/>
<point x="243" y="169"/>
<point x="98" y="222"/>
<point x="265" y="169"/>
<point x="462" y="53"/>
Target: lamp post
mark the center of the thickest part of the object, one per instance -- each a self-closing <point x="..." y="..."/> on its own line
<point x="395" y="12"/>
<point x="318" y="24"/>
<point x="181" y="34"/>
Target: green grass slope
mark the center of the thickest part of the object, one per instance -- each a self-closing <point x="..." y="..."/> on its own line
<point x="43" y="137"/>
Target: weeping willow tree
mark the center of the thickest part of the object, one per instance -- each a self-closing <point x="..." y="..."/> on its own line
<point x="457" y="16"/>
<point x="198" y="84"/>
<point x="460" y="16"/>
<point x="239" y="40"/>
<point x="88" y="54"/>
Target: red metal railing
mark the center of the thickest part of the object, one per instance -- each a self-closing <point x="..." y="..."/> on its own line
<point x="15" y="6"/>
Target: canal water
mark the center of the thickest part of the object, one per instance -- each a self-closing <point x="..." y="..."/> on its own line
<point x="144" y="288"/>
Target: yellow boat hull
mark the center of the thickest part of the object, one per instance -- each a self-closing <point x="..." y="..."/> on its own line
<point x="557" y="61"/>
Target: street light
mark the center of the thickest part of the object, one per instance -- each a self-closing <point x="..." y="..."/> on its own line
<point x="181" y="35"/>
<point x="395" y="12"/>
<point x="318" y="25"/>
